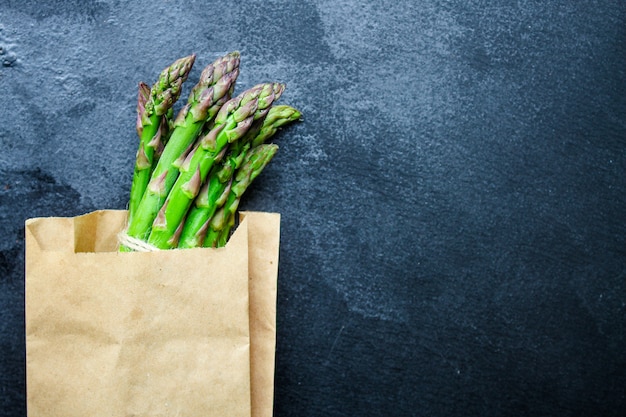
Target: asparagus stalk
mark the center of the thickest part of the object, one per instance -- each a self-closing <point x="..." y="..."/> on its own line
<point x="167" y="124"/>
<point x="225" y="232"/>
<point x="206" y="98"/>
<point x="277" y="117"/>
<point x="214" y="191"/>
<point x="231" y="123"/>
<point x="152" y="104"/>
<point x="211" y="196"/>
<point x="143" y="94"/>
<point x="167" y="127"/>
<point x="221" y="223"/>
<point x="218" y="238"/>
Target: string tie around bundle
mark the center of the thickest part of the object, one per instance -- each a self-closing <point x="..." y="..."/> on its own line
<point x="135" y="244"/>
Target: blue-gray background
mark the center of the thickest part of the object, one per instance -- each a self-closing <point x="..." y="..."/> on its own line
<point x="453" y="204"/>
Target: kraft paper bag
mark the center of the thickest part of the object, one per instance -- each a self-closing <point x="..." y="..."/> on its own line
<point x="148" y="334"/>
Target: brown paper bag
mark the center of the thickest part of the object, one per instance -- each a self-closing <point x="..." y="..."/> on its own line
<point x="147" y="334"/>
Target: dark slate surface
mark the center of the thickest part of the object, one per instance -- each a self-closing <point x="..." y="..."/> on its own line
<point x="453" y="205"/>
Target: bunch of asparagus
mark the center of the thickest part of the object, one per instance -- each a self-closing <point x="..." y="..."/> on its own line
<point x="192" y="170"/>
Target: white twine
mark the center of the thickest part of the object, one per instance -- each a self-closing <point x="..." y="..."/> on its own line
<point x="135" y="244"/>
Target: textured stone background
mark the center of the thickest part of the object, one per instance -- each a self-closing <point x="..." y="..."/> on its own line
<point x="453" y="204"/>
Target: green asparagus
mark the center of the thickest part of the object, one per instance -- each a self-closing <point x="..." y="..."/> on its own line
<point x="152" y="105"/>
<point x="277" y="117"/>
<point x="221" y="223"/>
<point x="211" y="196"/>
<point x="143" y="94"/>
<point x="231" y="123"/>
<point x="206" y="98"/>
<point x="215" y="189"/>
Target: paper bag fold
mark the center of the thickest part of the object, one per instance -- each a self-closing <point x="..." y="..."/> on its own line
<point x="263" y="251"/>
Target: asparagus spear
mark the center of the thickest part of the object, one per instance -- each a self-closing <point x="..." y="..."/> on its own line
<point x="231" y="123"/>
<point x="277" y="117"/>
<point x="218" y="238"/>
<point x="222" y="222"/>
<point x="143" y="94"/>
<point x="152" y="104"/>
<point x="215" y="189"/>
<point x="206" y="98"/>
<point x="225" y="232"/>
<point x="211" y="196"/>
<point x="167" y="127"/>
